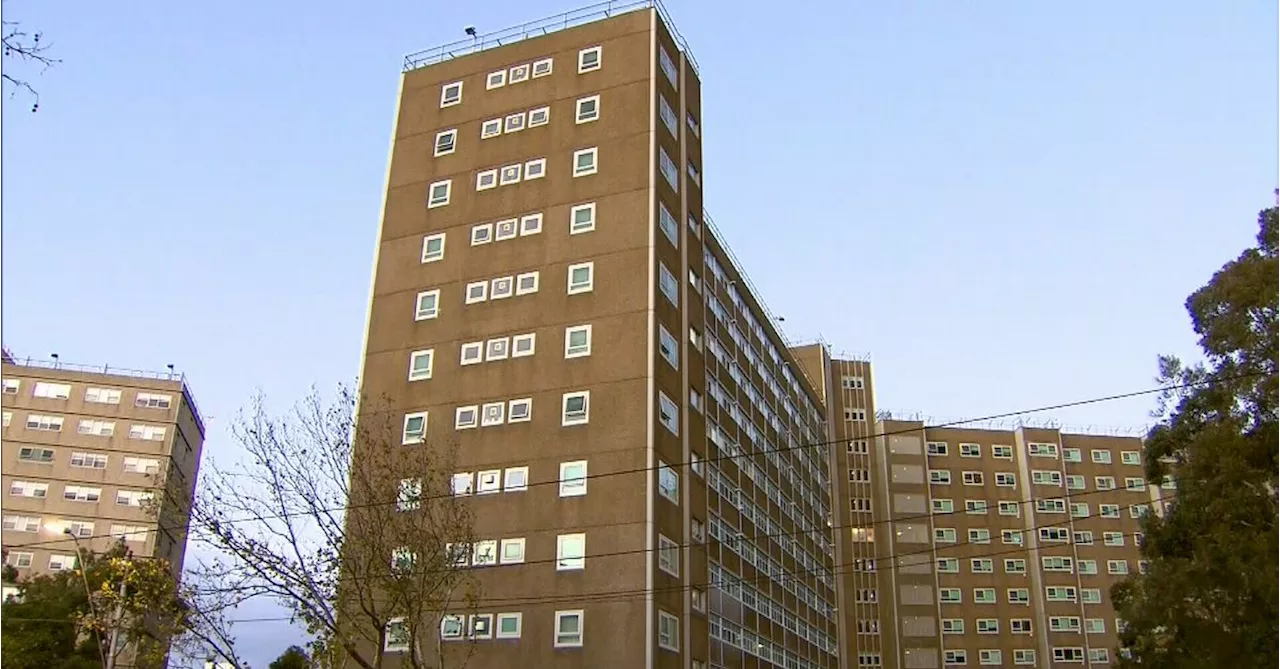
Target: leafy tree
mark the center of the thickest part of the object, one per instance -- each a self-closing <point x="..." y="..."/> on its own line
<point x="1210" y="597"/>
<point x="357" y="548"/>
<point x="293" y="657"/>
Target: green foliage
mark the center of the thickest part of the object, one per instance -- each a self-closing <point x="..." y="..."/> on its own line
<point x="1210" y="597"/>
<point x="292" y="658"/>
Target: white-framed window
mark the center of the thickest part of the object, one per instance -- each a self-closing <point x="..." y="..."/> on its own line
<point x="577" y="341"/>
<point x="477" y="291"/>
<point x="491" y="128"/>
<point x="970" y="450"/>
<point x="940" y="476"/>
<point x="19" y="559"/>
<point x="433" y="247"/>
<point x="508" y="624"/>
<point x="1130" y="458"/>
<point x="950" y="595"/>
<point x="668" y="413"/>
<point x="694" y="128"/>
<point x="576" y="408"/>
<point x="581" y="278"/>
<point x="668" y="347"/>
<point x="87" y="460"/>
<point x="467" y="417"/>
<point x="136" y="465"/>
<point x="1095" y="626"/>
<point x="1056" y="535"/>
<point x="1071" y="455"/>
<point x="101" y="395"/>
<point x="484" y="553"/>
<point x="694" y="175"/>
<point x="1060" y="593"/>
<point x="935" y="448"/>
<point x="989" y="657"/>
<point x="695" y="226"/>
<point x="979" y="536"/>
<point x="1109" y="510"/>
<point x="481" y="626"/>
<point x="446" y="142"/>
<point x="427" y="305"/>
<point x="1057" y="563"/>
<point x="668" y="483"/>
<point x="573" y="478"/>
<point x="514" y="123"/>
<point x="944" y="535"/>
<point x="1091" y="595"/>
<point x="491" y="414"/>
<point x="976" y="507"/>
<point x="953" y="625"/>
<point x="1079" y="509"/>
<point x="22" y="523"/>
<point x="420" y="364"/>
<point x="519" y="73"/>
<point x="51" y="391"/>
<point x="1051" y="505"/>
<point x="1046" y="477"/>
<point x="668" y="632"/>
<point x="1135" y="484"/>
<point x="668" y="66"/>
<point x="495" y="80"/>
<point x="44" y="423"/>
<point x="982" y="566"/>
<point x="582" y="218"/>
<point x="587" y="109"/>
<point x="1073" y="655"/>
<point x="97" y="428"/>
<point x="1100" y="456"/>
<point x="535" y="169"/>
<point x="543" y="67"/>
<point x="1088" y="567"/>
<point x="472" y="353"/>
<point x="1082" y="537"/>
<point x="524" y="345"/>
<point x="502" y="287"/>
<point x="76" y="493"/>
<point x="1038" y="450"/>
<point x="147" y="432"/>
<point x="452" y="627"/>
<point x="451" y="94"/>
<point x="937" y="505"/>
<point x="668" y="168"/>
<point x="462" y="483"/>
<point x="527" y="283"/>
<point x="1015" y="566"/>
<point x="537" y="117"/>
<point x="589" y="59"/>
<point x="497" y="349"/>
<point x="1002" y="452"/>
<point x="668" y="284"/>
<point x="486" y="179"/>
<point x="530" y="224"/>
<point x="585" y="162"/>
<point x="515" y="479"/>
<point x="1020" y="626"/>
<point x="569" y="624"/>
<point x="1008" y="508"/>
<point x="1099" y="656"/>
<point x="11" y="387"/>
<point x="972" y="478"/>
<point x="1024" y="656"/>
<point x="668" y="556"/>
<point x="668" y="116"/>
<point x="1117" y="567"/>
<point x="670" y="228"/>
<point x="1018" y="595"/>
<point x="415" y="428"/>
<point x="29" y="489"/>
<point x="131" y="497"/>
<point x="506" y="229"/>
<point x="953" y="658"/>
<point x="947" y="565"/>
<point x="509" y="174"/>
<point x="512" y="551"/>
<point x="1104" y="482"/>
<point x="571" y="552"/>
<point x="60" y="562"/>
<point x="1075" y="482"/>
<point x="438" y="193"/>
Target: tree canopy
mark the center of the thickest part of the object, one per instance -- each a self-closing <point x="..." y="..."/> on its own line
<point x="294" y="657"/>
<point x="1209" y="598"/>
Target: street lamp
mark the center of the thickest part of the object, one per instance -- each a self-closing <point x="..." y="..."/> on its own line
<point x="84" y="578"/>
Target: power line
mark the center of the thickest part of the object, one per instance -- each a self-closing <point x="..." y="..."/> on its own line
<point x="1095" y="400"/>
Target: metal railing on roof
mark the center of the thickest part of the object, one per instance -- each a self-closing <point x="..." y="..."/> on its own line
<point x="168" y="375"/>
<point x="570" y="19"/>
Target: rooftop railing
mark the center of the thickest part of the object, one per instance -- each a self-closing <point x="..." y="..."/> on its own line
<point x="570" y="19"/>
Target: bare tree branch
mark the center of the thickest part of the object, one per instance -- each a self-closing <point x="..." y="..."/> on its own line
<point x="25" y="47"/>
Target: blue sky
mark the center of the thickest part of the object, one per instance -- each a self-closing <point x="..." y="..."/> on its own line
<point x="1006" y="202"/>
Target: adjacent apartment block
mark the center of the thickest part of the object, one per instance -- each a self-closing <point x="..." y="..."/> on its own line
<point x="977" y="547"/>
<point x="85" y="450"/>
<point x="549" y="294"/>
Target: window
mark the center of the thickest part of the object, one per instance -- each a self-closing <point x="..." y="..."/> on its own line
<point x="51" y="391"/>
<point x="530" y="225"/>
<point x="984" y="595"/>
<point x="516" y="479"/>
<point x="584" y="162"/>
<point x="514" y="123"/>
<point x="1040" y="477"/>
<point x="461" y="484"/>
<point x="982" y="566"/>
<point x="1008" y="508"/>
<point x="44" y="423"/>
<point x="668" y="169"/>
<point x="955" y="657"/>
<point x="472" y="353"/>
<point x="486" y="179"/>
<point x="1134" y="484"/>
<point x="1042" y="450"/>
<point x="972" y="478"/>
<point x="1011" y="537"/>
<point x="130" y="497"/>
<point x="668" y="116"/>
<point x="859" y="415"/>
<point x="1099" y="656"/>
<point x="668" y="483"/>
<point x="694" y="175"/>
<point x="1109" y="510"/>
<point x="502" y="288"/>
<point x="535" y="169"/>
<point x="542" y="68"/>
<point x="694" y="128"/>
<point x="451" y="94"/>
<point x="950" y="595"/>
<point x="1056" y="563"/>
<point x="581" y="278"/>
<point x="668" y="413"/>
<point x="433" y="248"/>
<point x="1024" y="656"/>
<point x="940" y="476"/>
<point x="415" y="428"/>
<point x="491" y="128"/>
<point x="29" y="489"/>
<point x="451" y="627"/>
<point x="1015" y="566"/>
<point x="1055" y="505"/>
<point x="667" y="223"/>
<point x="420" y="363"/>
<point x="975" y="507"/>
<point x="582" y="218"/>
<point x="1060" y="593"/>
<point x="569" y="623"/>
<point x="21" y="523"/>
<point x="668" y="632"/>
<point x="427" y="305"/>
<point x="484" y="553"/>
<point x="495" y="80"/>
<point x="19" y="559"/>
<point x="1002" y="452"/>
<point x="1113" y="538"/>
<point x="1099" y="456"/>
<point x="989" y="657"/>
<point x="576" y="408"/>
<point x="1095" y="626"/>
<point x="59" y="562"/>
<point x="1068" y="654"/>
<point x="488" y="481"/>
<point x="668" y="66"/>
<point x="465" y="418"/>
<point x="1079" y="509"/>
<point x="948" y="565"/>
<point x="1117" y="567"/>
<point x="589" y="59"/>
<point x="99" y="428"/>
<point x="1018" y="595"/>
<point x="147" y="432"/>
<point x="504" y="230"/>
<point x="588" y="109"/>
<point x="1104" y="483"/>
<point x="695" y="226"/>
<point x="944" y="535"/>
<point x="1091" y="596"/>
<point x="939" y="505"/>
<point x="523" y="346"/>
<point x="409" y="496"/>
<point x="668" y="284"/>
<point x="668" y="347"/>
<point x="438" y="193"/>
<point x="1089" y="567"/>
<point x="1075" y="482"/>
<point x="979" y="536"/>
<point x="446" y="142"/>
<point x="1130" y="458"/>
<point x="668" y="556"/>
<point x="133" y="465"/>
<point x="509" y="175"/>
<point x="970" y="451"/>
<point x="477" y="291"/>
<point x="577" y="341"/>
<point x="508" y="625"/>
<point x="573" y="478"/>
<point x="100" y="395"/>
<point x="1058" y="535"/>
<point x="11" y="386"/>
<point x="86" y="460"/>
<point x="493" y="413"/>
<point x="858" y="447"/>
<point x="935" y="447"/>
<point x="519" y="73"/>
<point x="988" y="626"/>
<point x="571" y="552"/>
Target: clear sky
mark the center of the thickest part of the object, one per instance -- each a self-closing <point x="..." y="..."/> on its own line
<point x="1005" y="204"/>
